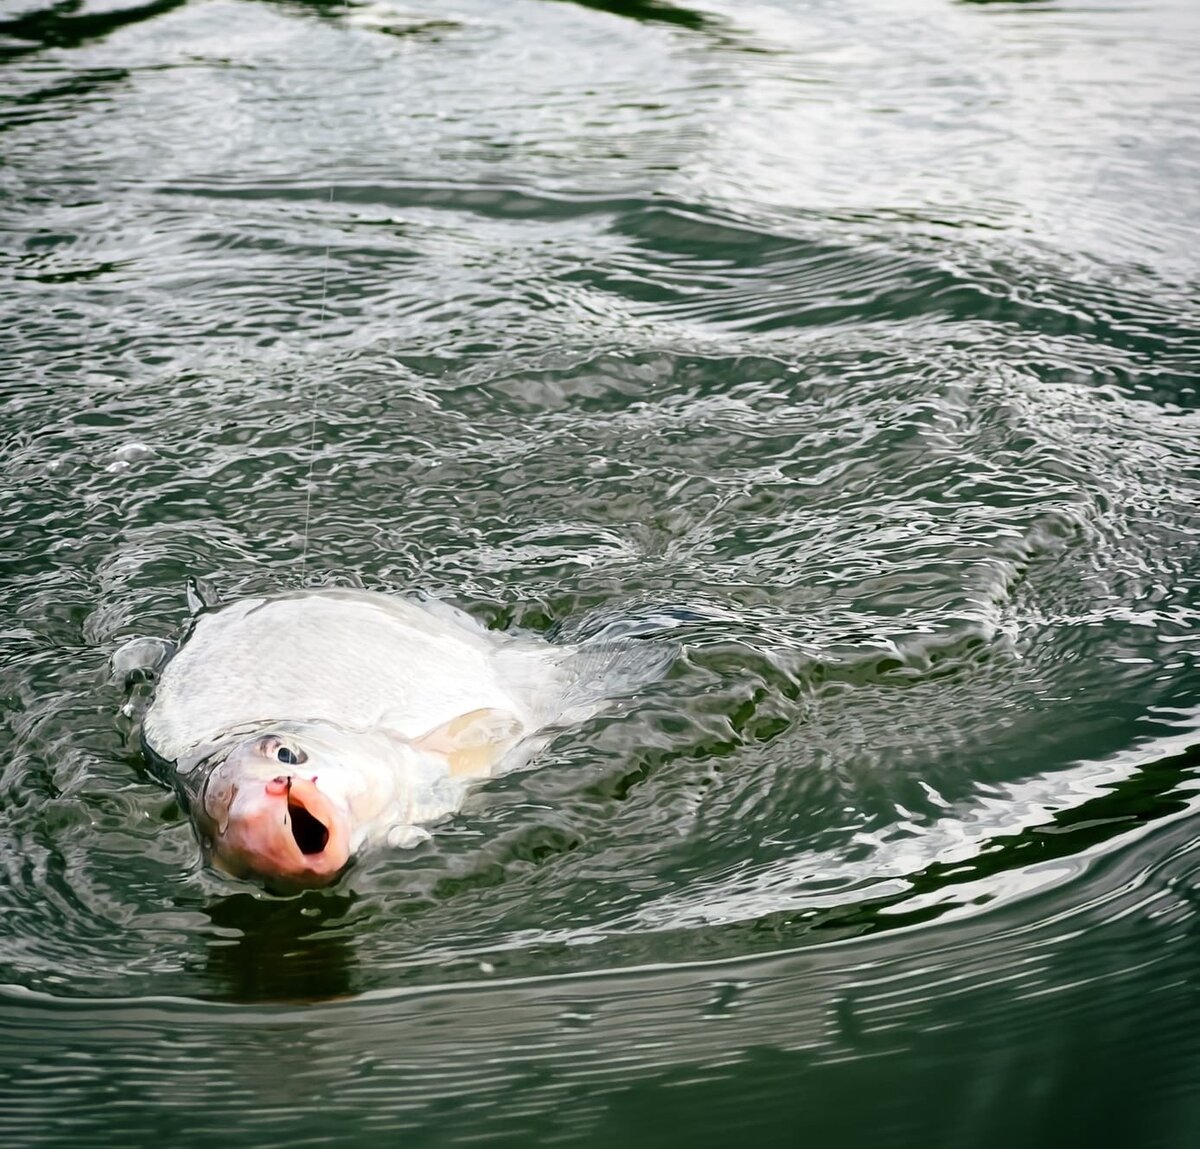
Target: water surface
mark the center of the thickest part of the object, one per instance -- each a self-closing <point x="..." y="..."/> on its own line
<point x="852" y="347"/>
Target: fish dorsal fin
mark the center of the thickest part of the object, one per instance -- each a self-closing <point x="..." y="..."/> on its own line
<point x="473" y="742"/>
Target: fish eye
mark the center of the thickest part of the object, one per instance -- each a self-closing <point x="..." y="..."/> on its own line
<point x="273" y="746"/>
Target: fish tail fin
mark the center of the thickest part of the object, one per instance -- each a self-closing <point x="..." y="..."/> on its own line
<point x="597" y="673"/>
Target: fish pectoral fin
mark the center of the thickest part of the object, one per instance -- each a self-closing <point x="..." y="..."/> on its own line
<point x="473" y="742"/>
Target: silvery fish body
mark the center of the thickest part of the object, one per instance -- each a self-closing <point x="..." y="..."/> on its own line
<point x="300" y="728"/>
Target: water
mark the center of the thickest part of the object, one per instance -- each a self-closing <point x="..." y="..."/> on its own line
<point x="854" y="347"/>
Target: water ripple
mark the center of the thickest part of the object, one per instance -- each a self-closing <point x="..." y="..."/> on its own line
<point x="855" y="351"/>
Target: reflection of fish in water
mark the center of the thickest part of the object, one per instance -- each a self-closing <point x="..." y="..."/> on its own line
<point x="304" y="727"/>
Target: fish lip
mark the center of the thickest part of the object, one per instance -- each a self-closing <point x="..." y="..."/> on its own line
<point x="267" y="831"/>
<point x="305" y="800"/>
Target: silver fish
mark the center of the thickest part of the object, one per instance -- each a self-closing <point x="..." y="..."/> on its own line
<point x="305" y="727"/>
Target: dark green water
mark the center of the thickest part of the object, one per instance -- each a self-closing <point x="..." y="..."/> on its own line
<point x="854" y="346"/>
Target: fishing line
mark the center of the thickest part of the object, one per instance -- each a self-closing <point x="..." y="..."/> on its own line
<point x="312" y="425"/>
<point x="316" y="389"/>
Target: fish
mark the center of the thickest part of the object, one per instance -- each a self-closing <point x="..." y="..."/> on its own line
<point x="303" y="728"/>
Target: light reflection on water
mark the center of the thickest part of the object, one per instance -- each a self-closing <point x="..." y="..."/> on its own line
<point x="856" y="350"/>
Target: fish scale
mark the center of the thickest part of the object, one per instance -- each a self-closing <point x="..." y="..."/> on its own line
<point x="355" y="659"/>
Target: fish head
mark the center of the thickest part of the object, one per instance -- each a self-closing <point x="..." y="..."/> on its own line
<point x="284" y="808"/>
<point x="291" y="806"/>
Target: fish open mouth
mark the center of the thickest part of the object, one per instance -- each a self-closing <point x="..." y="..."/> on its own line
<point x="309" y="832"/>
<point x="285" y="831"/>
